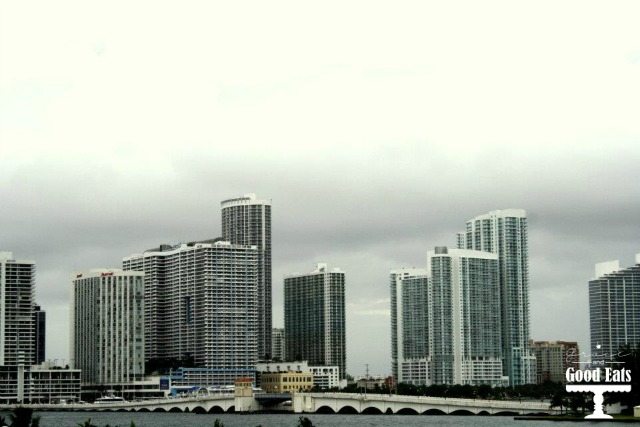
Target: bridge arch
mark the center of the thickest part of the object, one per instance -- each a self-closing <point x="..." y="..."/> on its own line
<point x="175" y="409"/>
<point x="461" y="412"/>
<point x="143" y="410"/>
<point x="371" y="410"/>
<point x="484" y="413"/>
<point x="406" y="411"/>
<point x="325" y="410"/>
<point x="434" y="411"/>
<point x="215" y="409"/>
<point x="158" y="410"/>
<point x="199" y="410"/>
<point x="231" y="409"/>
<point x="347" y="409"/>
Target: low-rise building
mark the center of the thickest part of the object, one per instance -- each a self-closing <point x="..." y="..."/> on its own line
<point x="286" y="382"/>
<point x="553" y="358"/>
<point x="39" y="384"/>
<point x="196" y="378"/>
<point x="324" y="377"/>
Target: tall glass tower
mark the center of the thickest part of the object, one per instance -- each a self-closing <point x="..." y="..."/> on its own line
<point x="410" y="323"/>
<point x="247" y="221"/>
<point x="314" y="318"/>
<point x="504" y="233"/>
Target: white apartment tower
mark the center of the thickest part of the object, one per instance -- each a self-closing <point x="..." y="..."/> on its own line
<point x="314" y="317"/>
<point x="410" y="322"/>
<point x="107" y="326"/>
<point x="201" y="303"/>
<point x="504" y="233"/>
<point x="17" y="326"/>
<point x="247" y="221"/>
<point x="614" y="309"/>
<point x="465" y="317"/>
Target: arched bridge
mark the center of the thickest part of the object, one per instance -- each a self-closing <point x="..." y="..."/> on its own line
<point x="345" y="403"/>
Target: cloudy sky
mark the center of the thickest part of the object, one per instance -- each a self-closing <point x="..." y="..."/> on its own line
<point x="376" y="128"/>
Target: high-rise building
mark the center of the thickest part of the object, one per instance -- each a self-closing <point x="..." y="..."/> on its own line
<point x="465" y="314"/>
<point x="40" y="327"/>
<point x="504" y="233"/>
<point x="107" y="326"/>
<point x="410" y="323"/>
<point x="247" y="221"/>
<point x="17" y="281"/>
<point x="553" y="358"/>
<point x="314" y="317"/>
<point x="201" y="304"/>
<point x="278" y="345"/>
<point x="614" y="308"/>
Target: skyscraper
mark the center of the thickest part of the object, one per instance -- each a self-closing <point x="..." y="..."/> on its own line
<point x="504" y="233"/>
<point x="17" y="280"/>
<point x="614" y="308"/>
<point x="410" y="323"/>
<point x="314" y="317"/>
<point x="40" y="327"/>
<point x="278" y="345"/>
<point x="247" y="221"/>
<point x="465" y="301"/>
<point x="107" y="326"/>
<point x="201" y="304"/>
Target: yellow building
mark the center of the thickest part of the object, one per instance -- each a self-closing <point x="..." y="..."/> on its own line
<point x="286" y="382"/>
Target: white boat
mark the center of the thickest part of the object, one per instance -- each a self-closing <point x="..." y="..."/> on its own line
<point x="109" y="399"/>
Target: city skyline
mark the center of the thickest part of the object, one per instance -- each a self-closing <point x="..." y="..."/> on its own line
<point x="375" y="141"/>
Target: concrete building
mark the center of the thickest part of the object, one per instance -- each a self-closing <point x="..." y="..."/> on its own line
<point x="286" y="382"/>
<point x="107" y="326"/>
<point x="324" y="377"/>
<point x="314" y="317"/>
<point x="17" y="281"/>
<point x="278" y="345"/>
<point x="410" y="322"/>
<point x="614" y="308"/>
<point x="196" y="378"/>
<point x="247" y="221"/>
<point x="553" y="358"/>
<point x="38" y="384"/>
<point x="39" y="335"/>
<point x="504" y="233"/>
<point x="201" y="301"/>
<point x="465" y="317"/>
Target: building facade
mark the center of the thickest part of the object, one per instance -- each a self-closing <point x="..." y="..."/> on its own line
<point x="17" y="330"/>
<point x="504" y="233"/>
<point x="410" y="322"/>
<point x="201" y="303"/>
<point x="278" y="345"/>
<point x="324" y="377"/>
<point x="553" y="358"/>
<point x="314" y="317"/>
<point x="286" y="382"/>
<point x="247" y="221"/>
<point x="614" y="309"/>
<point x="39" y="335"/>
<point x="465" y="317"/>
<point x="38" y="384"/>
<point x="107" y="326"/>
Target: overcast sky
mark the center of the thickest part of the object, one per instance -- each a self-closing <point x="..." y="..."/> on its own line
<point x="376" y="128"/>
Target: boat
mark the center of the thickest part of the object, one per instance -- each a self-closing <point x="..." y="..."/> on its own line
<point x="109" y="399"/>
